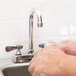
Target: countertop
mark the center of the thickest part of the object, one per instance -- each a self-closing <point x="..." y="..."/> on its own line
<point x="5" y="62"/>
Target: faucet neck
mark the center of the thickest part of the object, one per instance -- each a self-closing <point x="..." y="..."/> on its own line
<point x="31" y="33"/>
<point x="39" y="23"/>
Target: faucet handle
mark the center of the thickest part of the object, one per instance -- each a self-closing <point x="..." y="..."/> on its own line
<point x="41" y="45"/>
<point x="10" y="48"/>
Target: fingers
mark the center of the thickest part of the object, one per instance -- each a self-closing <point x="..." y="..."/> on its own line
<point x="32" y="65"/>
<point x="69" y="47"/>
<point x="34" y="62"/>
<point x="39" y="62"/>
<point x="31" y="68"/>
<point x="49" y="44"/>
<point x="63" y="45"/>
<point x="36" y="52"/>
<point x="71" y="53"/>
<point x="65" y="41"/>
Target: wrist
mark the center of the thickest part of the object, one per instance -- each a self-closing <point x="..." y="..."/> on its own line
<point x="68" y="65"/>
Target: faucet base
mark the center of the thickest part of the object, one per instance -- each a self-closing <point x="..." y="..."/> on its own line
<point x="24" y="58"/>
<point x="30" y="51"/>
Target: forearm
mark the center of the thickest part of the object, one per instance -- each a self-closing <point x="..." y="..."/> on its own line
<point x="68" y="65"/>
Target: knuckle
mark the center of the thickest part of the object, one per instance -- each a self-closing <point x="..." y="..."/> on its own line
<point x="29" y="69"/>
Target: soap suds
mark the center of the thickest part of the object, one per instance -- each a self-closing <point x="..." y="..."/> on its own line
<point x="41" y="74"/>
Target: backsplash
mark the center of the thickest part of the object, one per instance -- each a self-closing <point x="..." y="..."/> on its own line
<point x="59" y="22"/>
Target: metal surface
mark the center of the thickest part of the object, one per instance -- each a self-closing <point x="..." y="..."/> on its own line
<point x="19" y="57"/>
<point x="22" y="58"/>
<point x="39" y="24"/>
<point x="10" y="48"/>
<point x="16" y="71"/>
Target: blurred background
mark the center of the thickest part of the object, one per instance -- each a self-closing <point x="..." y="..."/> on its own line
<point x="59" y="22"/>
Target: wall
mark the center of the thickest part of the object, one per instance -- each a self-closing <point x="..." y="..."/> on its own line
<point x="59" y="19"/>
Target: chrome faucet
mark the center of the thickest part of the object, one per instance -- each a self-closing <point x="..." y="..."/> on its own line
<point x="19" y="57"/>
<point x="31" y="21"/>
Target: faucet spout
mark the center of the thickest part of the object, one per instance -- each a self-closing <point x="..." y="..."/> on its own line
<point x="31" y="22"/>
<point x="21" y="57"/>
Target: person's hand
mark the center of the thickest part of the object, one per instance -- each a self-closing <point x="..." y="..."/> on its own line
<point x="53" y="61"/>
<point x="68" y="46"/>
<point x="47" y="62"/>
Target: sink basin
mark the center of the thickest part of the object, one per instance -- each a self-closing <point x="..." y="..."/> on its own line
<point x="16" y="70"/>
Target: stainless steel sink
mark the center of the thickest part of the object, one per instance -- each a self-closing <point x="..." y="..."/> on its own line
<point x="16" y="70"/>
